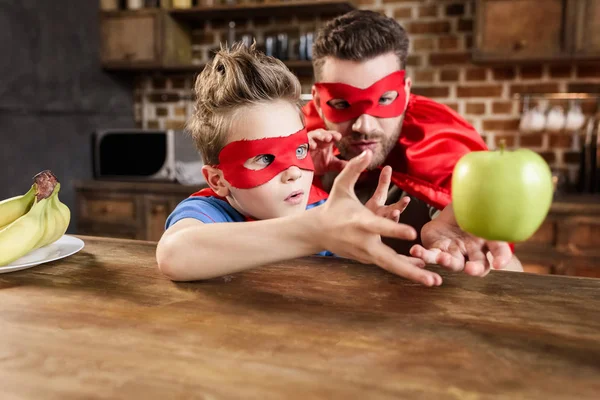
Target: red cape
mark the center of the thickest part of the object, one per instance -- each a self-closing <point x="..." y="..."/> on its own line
<point x="434" y="137"/>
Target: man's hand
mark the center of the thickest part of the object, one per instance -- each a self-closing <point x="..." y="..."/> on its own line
<point x="377" y="203"/>
<point x="351" y="230"/>
<point x="445" y="244"/>
<point x="321" y="143"/>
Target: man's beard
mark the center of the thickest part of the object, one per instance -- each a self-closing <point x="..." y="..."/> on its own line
<point x="383" y="149"/>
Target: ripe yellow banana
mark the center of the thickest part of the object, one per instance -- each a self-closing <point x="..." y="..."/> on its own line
<point x="45" y="222"/>
<point x="56" y="219"/>
<point x="15" y="207"/>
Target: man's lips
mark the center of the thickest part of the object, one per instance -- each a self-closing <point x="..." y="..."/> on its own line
<point x="363" y="145"/>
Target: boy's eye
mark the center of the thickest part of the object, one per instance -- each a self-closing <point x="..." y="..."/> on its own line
<point x="302" y="151"/>
<point x="259" y="162"/>
<point x="338" y="104"/>
<point x="388" y="98"/>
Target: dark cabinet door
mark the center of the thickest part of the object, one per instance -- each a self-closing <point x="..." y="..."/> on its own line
<point x="513" y="30"/>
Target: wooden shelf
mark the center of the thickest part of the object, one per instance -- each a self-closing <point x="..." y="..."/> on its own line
<point x="274" y="9"/>
<point x="300" y="67"/>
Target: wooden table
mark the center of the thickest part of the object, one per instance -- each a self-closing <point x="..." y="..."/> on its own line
<point x="103" y="324"/>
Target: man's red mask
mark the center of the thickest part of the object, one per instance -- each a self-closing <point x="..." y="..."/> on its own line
<point x="363" y="101"/>
<point x="284" y="148"/>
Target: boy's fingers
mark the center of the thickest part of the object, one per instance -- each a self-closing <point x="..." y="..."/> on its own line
<point x="349" y="175"/>
<point x="385" y="227"/>
<point x="385" y="177"/>
<point x="389" y="260"/>
<point x="401" y="204"/>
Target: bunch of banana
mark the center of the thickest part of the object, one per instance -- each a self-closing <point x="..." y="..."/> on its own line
<point x="32" y="220"/>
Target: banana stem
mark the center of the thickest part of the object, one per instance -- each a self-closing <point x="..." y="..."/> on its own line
<point x="45" y="182"/>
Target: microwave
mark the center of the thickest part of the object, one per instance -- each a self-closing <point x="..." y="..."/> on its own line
<point x="142" y="155"/>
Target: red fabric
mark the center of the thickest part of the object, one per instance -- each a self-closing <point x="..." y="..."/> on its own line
<point x="363" y="101"/>
<point x="233" y="157"/>
<point x="433" y="139"/>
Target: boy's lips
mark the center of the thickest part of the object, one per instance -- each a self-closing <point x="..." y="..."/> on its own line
<point x="295" y="197"/>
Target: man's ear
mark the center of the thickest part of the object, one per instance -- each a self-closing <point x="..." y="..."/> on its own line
<point x="407" y="87"/>
<point x="317" y="100"/>
<point x="214" y="178"/>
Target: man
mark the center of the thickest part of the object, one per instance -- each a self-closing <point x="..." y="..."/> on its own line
<point x="362" y="100"/>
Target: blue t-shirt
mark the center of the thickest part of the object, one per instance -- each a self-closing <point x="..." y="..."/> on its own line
<point x="212" y="210"/>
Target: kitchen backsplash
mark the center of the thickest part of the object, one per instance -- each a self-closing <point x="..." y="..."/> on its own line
<point x="441" y="34"/>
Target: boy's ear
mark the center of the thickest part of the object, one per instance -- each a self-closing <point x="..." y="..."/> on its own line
<point x="316" y="100"/>
<point x="214" y="178"/>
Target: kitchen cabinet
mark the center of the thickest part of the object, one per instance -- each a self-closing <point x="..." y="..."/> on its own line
<point x="146" y="38"/>
<point x="568" y="242"/>
<point x="586" y="29"/>
<point x="129" y="210"/>
<point x="161" y="39"/>
<point x="512" y="31"/>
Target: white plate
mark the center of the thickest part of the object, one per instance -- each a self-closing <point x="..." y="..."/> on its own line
<point x="63" y="247"/>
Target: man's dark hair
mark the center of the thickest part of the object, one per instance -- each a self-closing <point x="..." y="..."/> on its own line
<point x="359" y="35"/>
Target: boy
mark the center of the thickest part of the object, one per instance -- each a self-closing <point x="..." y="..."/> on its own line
<point x="248" y="127"/>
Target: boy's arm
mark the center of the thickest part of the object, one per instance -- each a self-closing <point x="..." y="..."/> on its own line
<point x="191" y="250"/>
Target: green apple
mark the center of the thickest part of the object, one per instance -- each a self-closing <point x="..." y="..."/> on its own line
<point x="501" y="195"/>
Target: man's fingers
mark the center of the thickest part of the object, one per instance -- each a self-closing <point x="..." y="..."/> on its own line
<point x="389" y="260"/>
<point x="349" y="175"/>
<point x="428" y="256"/>
<point x="501" y="253"/>
<point x="452" y="259"/>
<point x="385" y="227"/>
<point x="478" y="264"/>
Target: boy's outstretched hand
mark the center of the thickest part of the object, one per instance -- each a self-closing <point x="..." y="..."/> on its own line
<point x="351" y="230"/>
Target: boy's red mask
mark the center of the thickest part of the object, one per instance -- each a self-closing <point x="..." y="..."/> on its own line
<point x="363" y="101"/>
<point x="283" y="148"/>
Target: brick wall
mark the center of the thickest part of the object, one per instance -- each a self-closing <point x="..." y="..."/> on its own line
<point x="441" y="33"/>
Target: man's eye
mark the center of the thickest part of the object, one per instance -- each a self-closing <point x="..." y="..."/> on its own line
<point x="338" y="104"/>
<point x="301" y="152"/>
<point x="259" y="162"/>
<point x="388" y="98"/>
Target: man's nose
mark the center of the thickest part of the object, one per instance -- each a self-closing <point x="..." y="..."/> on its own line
<point x="365" y="124"/>
<point x="291" y="174"/>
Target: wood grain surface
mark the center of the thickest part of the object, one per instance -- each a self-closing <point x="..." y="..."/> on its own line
<point x="104" y="324"/>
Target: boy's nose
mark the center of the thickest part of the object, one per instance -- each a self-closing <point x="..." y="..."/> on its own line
<point x="366" y="124"/>
<point x="291" y="174"/>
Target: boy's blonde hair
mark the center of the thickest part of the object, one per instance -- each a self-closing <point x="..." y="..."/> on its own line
<point x="233" y="79"/>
